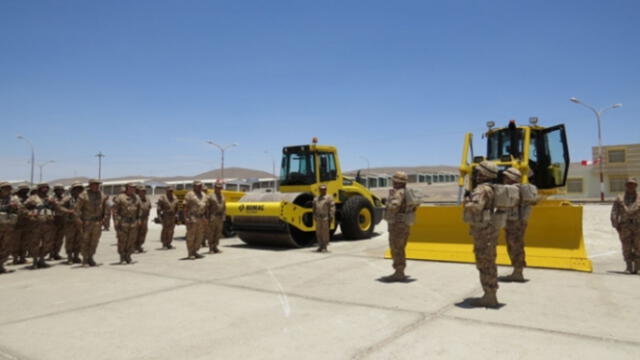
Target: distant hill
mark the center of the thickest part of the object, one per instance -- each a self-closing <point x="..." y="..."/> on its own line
<point x="234" y="172"/>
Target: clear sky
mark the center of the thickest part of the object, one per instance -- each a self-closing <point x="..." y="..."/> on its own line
<point x="398" y="82"/>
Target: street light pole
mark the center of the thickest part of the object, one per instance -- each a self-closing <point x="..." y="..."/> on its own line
<point x="41" y="166"/>
<point x="598" y="114"/>
<point x="33" y="155"/>
<point x="222" y="150"/>
<point x="368" y="168"/>
<point x="100" y="155"/>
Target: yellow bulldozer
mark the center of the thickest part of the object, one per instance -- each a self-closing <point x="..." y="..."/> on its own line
<point x="285" y="218"/>
<point x="554" y="238"/>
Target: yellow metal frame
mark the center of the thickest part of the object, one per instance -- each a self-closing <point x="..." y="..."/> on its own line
<point x="287" y="212"/>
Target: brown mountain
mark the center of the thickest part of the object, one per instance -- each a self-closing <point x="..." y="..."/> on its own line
<point x="234" y="172"/>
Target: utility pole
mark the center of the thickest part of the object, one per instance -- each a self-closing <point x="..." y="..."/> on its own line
<point x="222" y="150"/>
<point x="100" y="155"/>
<point x="368" y="168"/>
<point x="41" y="166"/>
<point x="33" y="155"/>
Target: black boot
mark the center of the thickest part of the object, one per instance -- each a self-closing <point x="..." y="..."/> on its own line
<point x="42" y="264"/>
<point x="634" y="266"/>
<point x="122" y="259"/>
<point x="76" y="259"/>
<point x="128" y="258"/>
<point x="629" y="268"/>
<point x="91" y="262"/>
<point x="69" y="259"/>
<point x="56" y="256"/>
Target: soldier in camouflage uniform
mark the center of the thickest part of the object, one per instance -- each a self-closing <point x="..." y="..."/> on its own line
<point x="479" y="207"/>
<point x="167" y="209"/>
<point x="195" y="217"/>
<point x="625" y="218"/>
<point x="143" y="224"/>
<point x="58" y="222"/>
<point x="41" y="211"/>
<point x="324" y="211"/>
<point x="400" y="216"/>
<point x="516" y="226"/>
<point x="91" y="207"/>
<point x="10" y="206"/>
<point x="216" y="212"/>
<point x="23" y="229"/>
<point x="127" y="209"/>
<point x="72" y="224"/>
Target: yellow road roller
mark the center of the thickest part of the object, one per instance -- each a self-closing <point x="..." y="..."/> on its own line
<point x="554" y="237"/>
<point x="285" y="218"/>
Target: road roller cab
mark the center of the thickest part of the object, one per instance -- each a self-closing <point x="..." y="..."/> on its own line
<point x="284" y="218"/>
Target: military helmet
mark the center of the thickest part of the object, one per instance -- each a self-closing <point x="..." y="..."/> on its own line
<point x="513" y="174"/>
<point x="488" y="169"/>
<point x="23" y="187"/>
<point x="58" y="187"/>
<point x="76" y="185"/>
<point x="130" y="184"/>
<point x="170" y="188"/>
<point x="197" y="183"/>
<point x="4" y="184"/>
<point x="632" y="180"/>
<point x="94" y="181"/>
<point x="42" y="185"/>
<point x="400" y="177"/>
<point x="141" y="187"/>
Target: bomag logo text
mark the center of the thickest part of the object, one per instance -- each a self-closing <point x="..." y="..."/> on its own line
<point x="251" y="207"/>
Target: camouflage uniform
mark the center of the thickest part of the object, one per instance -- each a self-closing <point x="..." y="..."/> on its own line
<point x="167" y="208"/>
<point x="9" y="209"/>
<point x="195" y="217"/>
<point x="216" y="212"/>
<point x="479" y="211"/>
<point x="143" y="223"/>
<point x="72" y="227"/>
<point x="22" y="231"/>
<point x="90" y="208"/>
<point x="625" y="217"/>
<point x="399" y="216"/>
<point x="127" y="210"/>
<point x="41" y="211"/>
<point x="59" y="224"/>
<point x="324" y="211"/>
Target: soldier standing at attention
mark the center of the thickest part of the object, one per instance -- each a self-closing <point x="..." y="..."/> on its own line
<point x="517" y="221"/>
<point x="479" y="211"/>
<point x="324" y="211"/>
<point x="127" y="209"/>
<point x="216" y="211"/>
<point x="58" y="222"/>
<point x="167" y="208"/>
<point x="41" y="211"/>
<point x="91" y="207"/>
<point x="625" y="217"/>
<point x="23" y="229"/>
<point x="195" y="217"/>
<point x="143" y="224"/>
<point x="9" y="208"/>
<point x="400" y="215"/>
<point x="72" y="224"/>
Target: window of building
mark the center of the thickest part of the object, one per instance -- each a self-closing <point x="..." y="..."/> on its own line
<point x="617" y="184"/>
<point x="575" y="185"/>
<point x="617" y="156"/>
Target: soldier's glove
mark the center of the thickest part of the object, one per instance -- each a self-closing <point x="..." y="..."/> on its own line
<point x="157" y="220"/>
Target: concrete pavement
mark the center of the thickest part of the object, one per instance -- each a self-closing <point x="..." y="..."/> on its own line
<point x="288" y="304"/>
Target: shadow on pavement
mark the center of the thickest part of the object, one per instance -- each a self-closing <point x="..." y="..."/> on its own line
<point x="406" y="280"/>
<point x="469" y="303"/>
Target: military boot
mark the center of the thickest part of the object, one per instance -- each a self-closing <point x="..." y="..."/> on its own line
<point x="516" y="276"/>
<point x="217" y="251"/>
<point x="198" y="256"/>
<point x="76" y="259"/>
<point x="42" y="264"/>
<point x="122" y="259"/>
<point x="398" y="275"/>
<point x="34" y="265"/>
<point x="91" y="261"/>
<point x="634" y="266"/>
<point x="2" y="269"/>
<point x="69" y="259"/>
<point x="127" y="258"/>
<point x="629" y="268"/>
<point x="489" y="300"/>
<point x="56" y="256"/>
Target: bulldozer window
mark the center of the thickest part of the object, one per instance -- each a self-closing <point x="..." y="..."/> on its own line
<point x="549" y="158"/>
<point x="499" y="144"/>
<point x="328" y="170"/>
<point x="298" y="168"/>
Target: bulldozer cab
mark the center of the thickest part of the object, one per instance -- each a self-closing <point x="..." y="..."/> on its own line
<point x="305" y="167"/>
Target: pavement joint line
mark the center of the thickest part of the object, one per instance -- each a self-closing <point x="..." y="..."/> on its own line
<point x="95" y="305"/>
<point x="543" y="330"/>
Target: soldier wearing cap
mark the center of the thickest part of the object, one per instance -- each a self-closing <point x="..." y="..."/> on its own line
<point x="167" y="209"/>
<point x="625" y="218"/>
<point x="58" y="222"/>
<point x="516" y="224"/>
<point x="143" y="224"/>
<point x="479" y="214"/>
<point x="400" y="215"/>
<point x="23" y="229"/>
<point x="324" y="212"/>
<point x="216" y="213"/>
<point x="72" y="224"/>
<point x="10" y="206"/>
<point x="41" y="211"/>
<point x="195" y="217"/>
<point x="127" y="209"/>
<point x="91" y="209"/>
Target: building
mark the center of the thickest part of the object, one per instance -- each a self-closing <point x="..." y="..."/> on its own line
<point x="620" y="162"/>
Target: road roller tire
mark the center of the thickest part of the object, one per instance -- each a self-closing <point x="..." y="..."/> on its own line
<point x="356" y="218"/>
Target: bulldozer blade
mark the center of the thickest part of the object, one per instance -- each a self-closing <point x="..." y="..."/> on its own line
<point x="553" y="239"/>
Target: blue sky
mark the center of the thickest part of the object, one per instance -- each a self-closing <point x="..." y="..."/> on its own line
<point x="398" y="82"/>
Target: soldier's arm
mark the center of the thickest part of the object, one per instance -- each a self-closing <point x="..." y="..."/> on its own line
<point x="477" y="201"/>
<point x="186" y="208"/>
<point x="615" y="213"/>
<point x="332" y="210"/>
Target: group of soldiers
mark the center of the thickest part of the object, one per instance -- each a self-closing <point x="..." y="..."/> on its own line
<point x="35" y="224"/>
